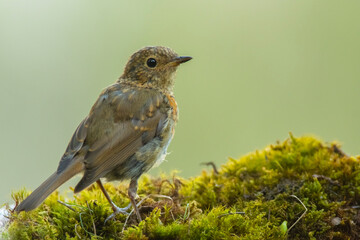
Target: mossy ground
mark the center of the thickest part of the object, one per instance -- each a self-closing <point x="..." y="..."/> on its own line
<point x="321" y="176"/>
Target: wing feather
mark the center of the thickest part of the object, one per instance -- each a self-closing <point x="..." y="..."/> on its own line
<point x="75" y="144"/>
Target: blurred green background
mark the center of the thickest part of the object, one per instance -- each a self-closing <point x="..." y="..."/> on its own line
<point x="260" y="69"/>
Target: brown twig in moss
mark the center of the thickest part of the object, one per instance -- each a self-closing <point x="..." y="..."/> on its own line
<point x="175" y="185"/>
<point x="165" y="181"/>
<point x="212" y="164"/>
<point x="337" y="150"/>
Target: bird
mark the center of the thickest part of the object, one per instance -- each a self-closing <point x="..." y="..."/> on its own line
<point x="126" y="132"/>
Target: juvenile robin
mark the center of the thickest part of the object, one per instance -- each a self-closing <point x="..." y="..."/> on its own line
<point x="127" y="131"/>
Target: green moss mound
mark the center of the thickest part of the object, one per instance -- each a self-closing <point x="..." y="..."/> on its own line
<point x="298" y="189"/>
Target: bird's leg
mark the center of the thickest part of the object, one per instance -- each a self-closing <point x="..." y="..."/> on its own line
<point x="115" y="208"/>
<point x="132" y="195"/>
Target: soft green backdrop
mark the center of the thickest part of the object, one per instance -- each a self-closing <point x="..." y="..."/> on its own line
<point x="260" y="69"/>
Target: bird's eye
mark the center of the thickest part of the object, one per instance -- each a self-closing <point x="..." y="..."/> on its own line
<point x="151" y="62"/>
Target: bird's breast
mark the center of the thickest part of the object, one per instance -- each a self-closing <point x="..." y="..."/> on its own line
<point x="174" y="107"/>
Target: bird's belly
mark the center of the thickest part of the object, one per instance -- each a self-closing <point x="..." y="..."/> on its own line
<point x="152" y="153"/>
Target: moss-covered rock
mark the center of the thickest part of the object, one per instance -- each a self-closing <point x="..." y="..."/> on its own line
<point x="298" y="189"/>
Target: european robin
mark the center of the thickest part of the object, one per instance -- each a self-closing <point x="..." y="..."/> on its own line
<point x="127" y="131"/>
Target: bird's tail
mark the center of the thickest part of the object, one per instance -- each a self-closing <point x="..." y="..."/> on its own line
<point x="47" y="187"/>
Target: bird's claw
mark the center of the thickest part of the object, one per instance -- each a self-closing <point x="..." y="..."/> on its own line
<point x="117" y="211"/>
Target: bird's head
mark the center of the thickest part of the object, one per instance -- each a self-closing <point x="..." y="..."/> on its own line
<point x="153" y="67"/>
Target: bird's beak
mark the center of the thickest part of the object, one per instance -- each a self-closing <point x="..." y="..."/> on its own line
<point x="178" y="60"/>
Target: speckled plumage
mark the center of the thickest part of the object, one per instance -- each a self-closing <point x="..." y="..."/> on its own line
<point x="127" y="130"/>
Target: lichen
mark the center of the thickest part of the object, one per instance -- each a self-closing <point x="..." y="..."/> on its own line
<point x="247" y="198"/>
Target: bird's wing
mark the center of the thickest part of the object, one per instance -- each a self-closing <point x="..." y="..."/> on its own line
<point x="74" y="146"/>
<point x="119" y="123"/>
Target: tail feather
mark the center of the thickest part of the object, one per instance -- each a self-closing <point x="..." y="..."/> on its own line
<point x="47" y="187"/>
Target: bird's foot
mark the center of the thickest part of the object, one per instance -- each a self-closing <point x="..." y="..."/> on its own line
<point x="118" y="210"/>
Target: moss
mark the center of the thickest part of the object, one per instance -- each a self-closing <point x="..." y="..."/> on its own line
<point x="209" y="206"/>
